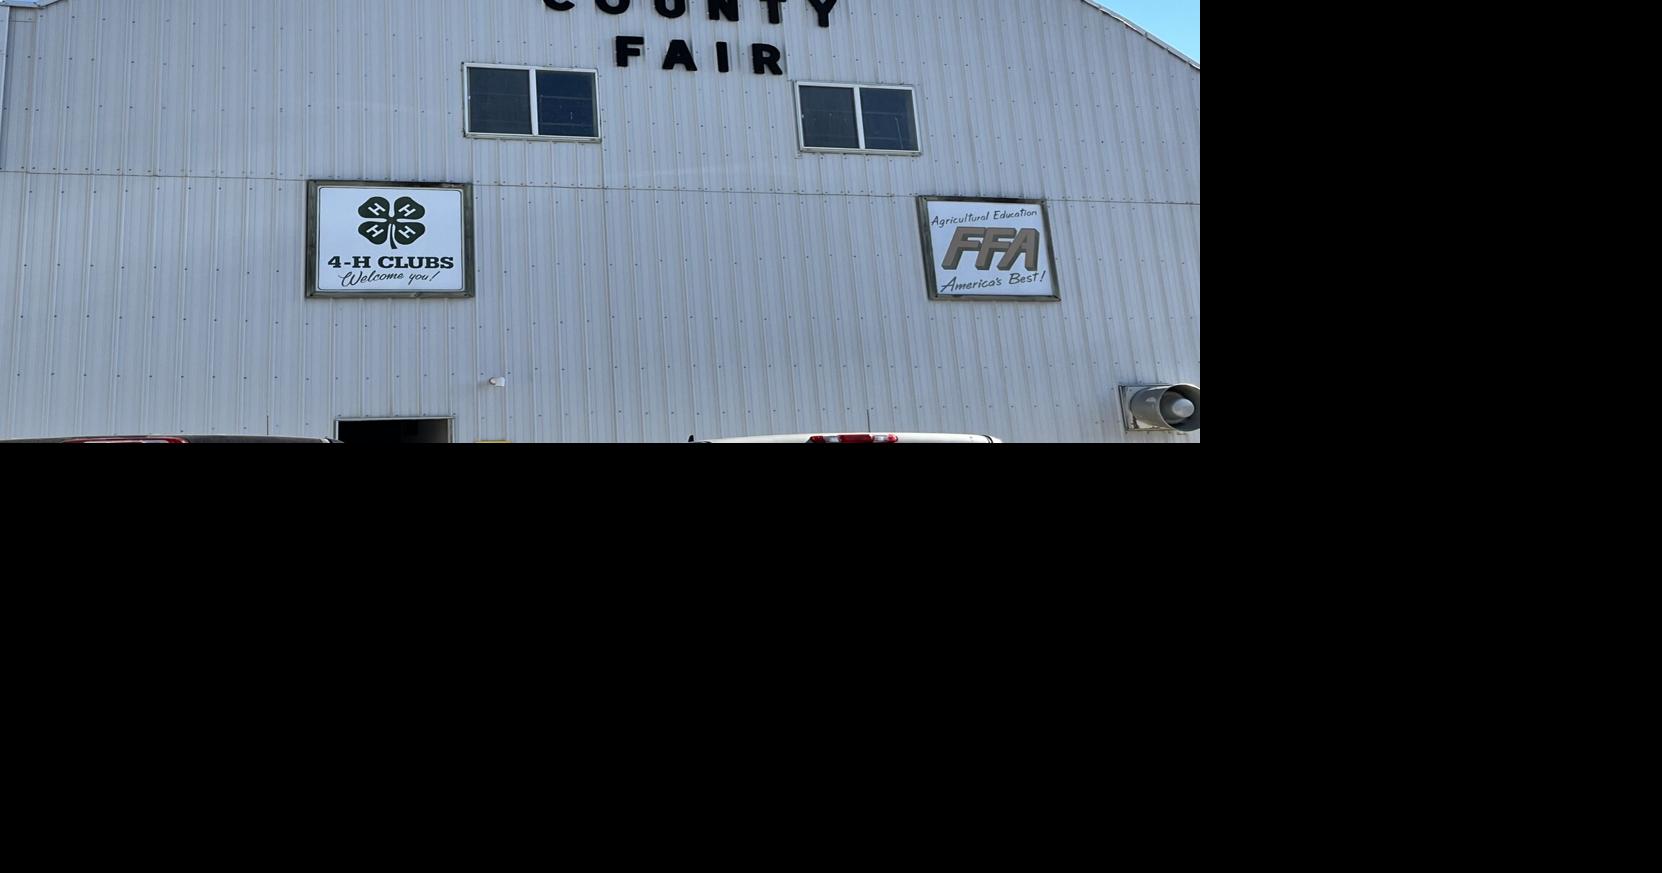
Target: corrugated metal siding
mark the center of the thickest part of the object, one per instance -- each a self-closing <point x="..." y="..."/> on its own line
<point x="694" y="273"/>
<point x="5" y="37"/>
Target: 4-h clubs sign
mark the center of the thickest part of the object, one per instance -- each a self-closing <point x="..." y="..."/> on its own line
<point x="369" y="239"/>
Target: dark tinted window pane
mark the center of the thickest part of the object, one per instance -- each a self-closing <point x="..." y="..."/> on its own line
<point x="499" y="101"/>
<point x="889" y="121"/>
<point x="565" y="104"/>
<point x="828" y="118"/>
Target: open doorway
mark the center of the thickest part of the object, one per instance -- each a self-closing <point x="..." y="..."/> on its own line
<point x="393" y="431"/>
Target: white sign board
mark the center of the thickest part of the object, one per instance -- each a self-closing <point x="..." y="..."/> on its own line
<point x="390" y="240"/>
<point x="987" y="249"/>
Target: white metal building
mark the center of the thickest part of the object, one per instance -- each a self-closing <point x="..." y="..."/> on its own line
<point x="661" y="221"/>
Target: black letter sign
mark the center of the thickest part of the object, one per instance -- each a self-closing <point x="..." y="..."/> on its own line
<point x="766" y="57"/>
<point x="824" y="7"/>
<point x="626" y="48"/>
<point x="679" y="55"/>
<point x="729" y="8"/>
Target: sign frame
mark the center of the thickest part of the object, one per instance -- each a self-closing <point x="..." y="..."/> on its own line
<point x="927" y="242"/>
<point x="313" y="186"/>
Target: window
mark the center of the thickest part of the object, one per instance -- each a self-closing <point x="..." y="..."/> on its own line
<point x="857" y="118"/>
<point x="531" y="102"/>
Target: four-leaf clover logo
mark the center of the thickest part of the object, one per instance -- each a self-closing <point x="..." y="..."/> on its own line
<point x="395" y="223"/>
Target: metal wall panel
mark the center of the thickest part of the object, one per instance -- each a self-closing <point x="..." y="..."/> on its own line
<point x="5" y="39"/>
<point x="693" y="273"/>
<point x="1058" y="101"/>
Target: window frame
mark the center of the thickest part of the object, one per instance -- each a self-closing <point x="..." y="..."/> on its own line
<point x="536" y="121"/>
<point x="859" y="119"/>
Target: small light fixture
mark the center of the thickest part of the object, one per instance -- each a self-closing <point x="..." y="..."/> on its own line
<point x="499" y="382"/>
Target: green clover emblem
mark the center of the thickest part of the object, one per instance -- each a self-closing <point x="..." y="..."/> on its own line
<point x="392" y="223"/>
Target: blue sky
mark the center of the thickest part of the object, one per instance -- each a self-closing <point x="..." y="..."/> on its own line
<point x="1175" y="21"/>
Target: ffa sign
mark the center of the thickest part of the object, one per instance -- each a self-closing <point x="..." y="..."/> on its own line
<point x="397" y="240"/>
<point x="987" y="249"/>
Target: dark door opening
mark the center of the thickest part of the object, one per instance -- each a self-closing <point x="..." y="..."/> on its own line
<point x="394" y="431"/>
